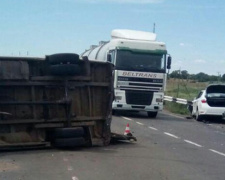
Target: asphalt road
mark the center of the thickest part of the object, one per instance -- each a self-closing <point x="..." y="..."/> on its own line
<point x="168" y="147"/>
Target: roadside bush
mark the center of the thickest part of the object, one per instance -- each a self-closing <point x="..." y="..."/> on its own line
<point x="176" y="108"/>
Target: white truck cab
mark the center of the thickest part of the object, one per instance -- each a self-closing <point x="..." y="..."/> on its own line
<point x="140" y="69"/>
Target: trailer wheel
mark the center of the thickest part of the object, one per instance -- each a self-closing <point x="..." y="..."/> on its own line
<point x="65" y="69"/>
<point x="69" y="132"/>
<point x="63" y="58"/>
<point x="152" y="114"/>
<point x="69" y="142"/>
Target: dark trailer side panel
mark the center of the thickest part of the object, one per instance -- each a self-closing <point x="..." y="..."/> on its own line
<point x="40" y="97"/>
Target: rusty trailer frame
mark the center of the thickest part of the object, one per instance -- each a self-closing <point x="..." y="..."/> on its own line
<point x="33" y="102"/>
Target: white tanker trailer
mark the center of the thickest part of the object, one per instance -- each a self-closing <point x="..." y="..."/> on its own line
<point x="140" y="69"/>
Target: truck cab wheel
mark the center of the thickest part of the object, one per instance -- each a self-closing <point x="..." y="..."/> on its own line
<point x="152" y="114"/>
<point x="113" y="112"/>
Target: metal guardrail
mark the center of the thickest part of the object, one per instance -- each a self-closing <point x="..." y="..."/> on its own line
<point x="177" y="100"/>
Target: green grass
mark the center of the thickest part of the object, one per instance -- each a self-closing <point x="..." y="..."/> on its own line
<point x="182" y="89"/>
<point x="176" y="108"/>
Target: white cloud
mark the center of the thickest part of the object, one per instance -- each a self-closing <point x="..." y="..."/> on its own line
<point x="185" y="44"/>
<point x="199" y="61"/>
<point x="177" y="64"/>
<point x="181" y="44"/>
<point x="194" y="66"/>
<point x="125" y="1"/>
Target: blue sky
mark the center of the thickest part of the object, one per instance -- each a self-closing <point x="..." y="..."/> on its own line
<point x="194" y="31"/>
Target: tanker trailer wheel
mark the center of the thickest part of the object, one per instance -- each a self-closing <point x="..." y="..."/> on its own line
<point x="69" y="142"/>
<point x="63" y="58"/>
<point x="69" y="132"/>
<point x="65" y="69"/>
<point x="152" y="114"/>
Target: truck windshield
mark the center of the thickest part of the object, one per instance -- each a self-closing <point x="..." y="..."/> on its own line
<point x="135" y="61"/>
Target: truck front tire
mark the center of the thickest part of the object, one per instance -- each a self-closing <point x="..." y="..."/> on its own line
<point x="152" y="114"/>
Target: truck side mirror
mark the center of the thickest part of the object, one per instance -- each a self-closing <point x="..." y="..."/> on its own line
<point x="169" y="60"/>
<point x="109" y="58"/>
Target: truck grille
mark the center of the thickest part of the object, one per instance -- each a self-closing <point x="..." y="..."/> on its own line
<point x="139" y="97"/>
<point x="144" y="84"/>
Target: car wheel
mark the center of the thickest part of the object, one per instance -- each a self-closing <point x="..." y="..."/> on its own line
<point x="197" y="116"/>
<point x="152" y="114"/>
<point x="63" y="58"/>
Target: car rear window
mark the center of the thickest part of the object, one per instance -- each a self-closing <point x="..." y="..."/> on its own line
<point x="215" y="89"/>
<point x="210" y="95"/>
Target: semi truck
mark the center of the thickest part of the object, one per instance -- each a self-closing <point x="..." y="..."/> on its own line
<point x="59" y="100"/>
<point x="140" y="63"/>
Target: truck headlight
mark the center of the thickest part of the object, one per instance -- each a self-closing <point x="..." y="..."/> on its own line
<point x="118" y="98"/>
<point x="159" y="100"/>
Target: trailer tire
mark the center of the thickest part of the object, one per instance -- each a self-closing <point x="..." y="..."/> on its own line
<point x="69" y="142"/>
<point x="63" y="58"/>
<point x="152" y="114"/>
<point x="65" y="69"/>
<point x="69" y="132"/>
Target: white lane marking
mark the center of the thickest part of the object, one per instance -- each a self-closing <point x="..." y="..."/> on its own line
<point x="74" y="178"/>
<point x="109" y="149"/>
<point x="152" y="128"/>
<point x="127" y="118"/>
<point x="69" y="168"/>
<point x="174" y="115"/>
<point x="171" y="135"/>
<point x="65" y="159"/>
<point x="217" y="152"/>
<point x="190" y="142"/>
<point x="140" y="123"/>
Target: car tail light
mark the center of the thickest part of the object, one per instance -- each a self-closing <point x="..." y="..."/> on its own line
<point x="203" y="101"/>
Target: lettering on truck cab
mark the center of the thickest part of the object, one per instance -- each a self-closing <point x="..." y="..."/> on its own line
<point x="140" y="74"/>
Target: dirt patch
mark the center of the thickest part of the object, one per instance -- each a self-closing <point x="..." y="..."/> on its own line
<point x="18" y="137"/>
<point x="8" y="166"/>
<point x="2" y="142"/>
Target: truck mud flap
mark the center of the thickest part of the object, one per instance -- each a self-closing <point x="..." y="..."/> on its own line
<point x="120" y="137"/>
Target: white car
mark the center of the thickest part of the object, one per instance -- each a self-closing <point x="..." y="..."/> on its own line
<point x="209" y="102"/>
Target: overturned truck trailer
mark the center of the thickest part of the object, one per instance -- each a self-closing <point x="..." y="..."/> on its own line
<point x="59" y="100"/>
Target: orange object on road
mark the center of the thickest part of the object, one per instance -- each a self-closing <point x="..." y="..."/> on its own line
<point x="127" y="130"/>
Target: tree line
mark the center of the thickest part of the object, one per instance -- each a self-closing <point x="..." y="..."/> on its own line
<point x="200" y="77"/>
